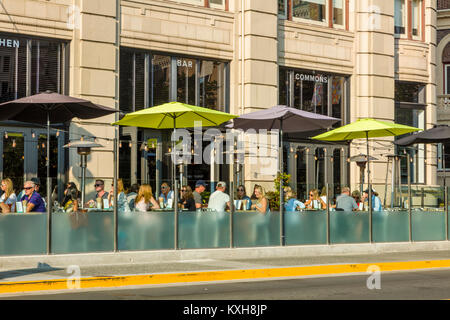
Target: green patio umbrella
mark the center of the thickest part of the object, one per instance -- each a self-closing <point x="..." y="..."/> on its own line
<point x="366" y="128"/>
<point x="174" y="115"/>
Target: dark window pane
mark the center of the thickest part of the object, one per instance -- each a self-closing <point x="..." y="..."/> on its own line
<point x="186" y="80"/>
<point x="8" y="74"/>
<point x="42" y="161"/>
<point x="49" y="66"/>
<point x="282" y="7"/>
<point x="311" y="10"/>
<point x="212" y="85"/>
<point x="283" y="87"/>
<point x="140" y="82"/>
<point x="301" y="173"/>
<point x="126" y="81"/>
<point x="13" y="159"/>
<point x="337" y="103"/>
<point x="161" y="79"/>
<point x="22" y="70"/>
<point x="407" y="92"/>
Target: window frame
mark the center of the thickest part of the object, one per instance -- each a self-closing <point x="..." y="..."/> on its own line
<point x="408" y="20"/>
<point x="344" y="13"/>
<point x="217" y="6"/>
<point x="309" y="21"/>
<point x="405" y="20"/>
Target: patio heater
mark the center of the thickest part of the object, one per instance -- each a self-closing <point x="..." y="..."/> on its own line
<point x="83" y="149"/>
<point x="361" y="160"/>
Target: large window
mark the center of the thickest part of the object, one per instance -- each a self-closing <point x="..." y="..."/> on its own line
<point x="30" y="66"/>
<point x="410" y="110"/>
<point x="312" y="91"/>
<point x="316" y="11"/>
<point x="148" y="80"/>
<point x="408" y="18"/>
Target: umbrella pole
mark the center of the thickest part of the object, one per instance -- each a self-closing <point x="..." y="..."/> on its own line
<point x="370" y="188"/>
<point x="281" y="185"/>
<point x="175" y="189"/>
<point x="445" y="192"/>
<point x="49" y="197"/>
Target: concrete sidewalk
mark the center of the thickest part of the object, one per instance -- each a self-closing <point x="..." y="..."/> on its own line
<point x="30" y="273"/>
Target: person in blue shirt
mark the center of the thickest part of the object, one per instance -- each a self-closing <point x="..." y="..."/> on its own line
<point x="35" y="203"/>
<point x="166" y="194"/>
<point x="242" y="195"/>
<point x="291" y="202"/>
<point x="376" y="202"/>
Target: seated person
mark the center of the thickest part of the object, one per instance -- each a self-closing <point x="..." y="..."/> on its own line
<point x="219" y="200"/>
<point x="100" y="192"/>
<point x="345" y="202"/>
<point x="8" y="198"/>
<point x="131" y="196"/>
<point x="187" y="198"/>
<point x="292" y="204"/>
<point x="262" y="204"/>
<point x="166" y="194"/>
<point x="314" y="201"/>
<point x="34" y="199"/>
<point x="241" y="195"/>
<point x="144" y="200"/>
<point x="71" y="204"/>
<point x="200" y="186"/>
<point x="376" y="202"/>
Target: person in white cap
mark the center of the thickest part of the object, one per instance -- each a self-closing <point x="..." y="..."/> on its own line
<point x="219" y="200"/>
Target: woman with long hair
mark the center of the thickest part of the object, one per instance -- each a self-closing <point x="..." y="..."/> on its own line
<point x="291" y="202"/>
<point x="72" y="202"/>
<point x="314" y="201"/>
<point x="8" y="198"/>
<point x="187" y="198"/>
<point x="145" y="200"/>
<point x="122" y="204"/>
<point x="262" y="204"/>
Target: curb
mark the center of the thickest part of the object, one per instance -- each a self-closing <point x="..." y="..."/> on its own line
<point x="226" y="275"/>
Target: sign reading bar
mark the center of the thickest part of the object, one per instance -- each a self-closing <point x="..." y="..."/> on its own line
<point x="9" y="43"/>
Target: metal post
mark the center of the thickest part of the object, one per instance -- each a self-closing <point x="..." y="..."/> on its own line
<point x="83" y="159"/>
<point x="175" y="188"/>
<point x="328" y="213"/>
<point x="232" y="206"/>
<point x="49" y="196"/>
<point x="281" y="185"/>
<point x="408" y="156"/>
<point x="116" y="220"/>
<point x="370" y="189"/>
<point x="446" y="211"/>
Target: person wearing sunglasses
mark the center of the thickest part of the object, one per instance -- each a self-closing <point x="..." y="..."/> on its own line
<point x="99" y="192"/>
<point x="187" y="201"/>
<point x="242" y="195"/>
<point x="166" y="194"/>
<point x="314" y="201"/>
<point x="34" y="199"/>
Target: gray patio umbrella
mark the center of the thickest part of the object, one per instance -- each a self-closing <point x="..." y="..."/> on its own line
<point x="285" y="119"/>
<point x="50" y="107"/>
<point x="437" y="134"/>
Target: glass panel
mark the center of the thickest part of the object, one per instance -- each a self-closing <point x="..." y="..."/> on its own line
<point x="252" y="229"/>
<point x="126" y="81"/>
<point x="311" y="92"/>
<point x="217" y="2"/>
<point x="125" y="159"/>
<point x="428" y="225"/>
<point x="203" y="229"/>
<point x="390" y="226"/>
<point x="349" y="227"/>
<point x="212" y="85"/>
<point x="301" y="173"/>
<point x="186" y="80"/>
<point x="21" y="87"/>
<point x="282" y="7"/>
<point x="310" y="9"/>
<point x="13" y="159"/>
<point x="48" y="66"/>
<point x="139" y="103"/>
<point x="337" y="101"/>
<point x="146" y="230"/>
<point x="407" y="92"/>
<point x="415" y="19"/>
<point x="399" y="17"/>
<point x="338" y="12"/>
<point x="447" y="77"/>
<point x="305" y="227"/>
<point x="283" y="87"/>
<point x="22" y="234"/>
<point x="160" y="79"/>
<point x="42" y="162"/>
<point x="82" y="232"/>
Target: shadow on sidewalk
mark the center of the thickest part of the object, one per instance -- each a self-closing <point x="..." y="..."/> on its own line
<point x="41" y="268"/>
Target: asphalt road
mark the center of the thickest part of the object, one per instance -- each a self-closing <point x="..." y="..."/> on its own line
<point x="417" y="285"/>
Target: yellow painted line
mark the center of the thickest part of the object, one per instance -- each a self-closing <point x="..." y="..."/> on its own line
<point x="119" y="281"/>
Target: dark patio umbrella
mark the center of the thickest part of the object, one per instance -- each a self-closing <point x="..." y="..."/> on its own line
<point x="437" y="134"/>
<point x="49" y="107"/>
<point x="286" y="119"/>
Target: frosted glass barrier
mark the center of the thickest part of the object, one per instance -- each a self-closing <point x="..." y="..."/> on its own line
<point x="253" y="229"/>
<point x="203" y="229"/>
<point x="82" y="232"/>
<point x="146" y="230"/>
<point x="305" y="227"/>
<point x="349" y="226"/>
<point x="428" y="225"/>
<point x="22" y="234"/>
<point x="390" y="226"/>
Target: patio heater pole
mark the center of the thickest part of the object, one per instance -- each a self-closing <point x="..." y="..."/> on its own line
<point x="281" y="184"/>
<point x="408" y="163"/>
<point x="49" y="197"/>
<point x="116" y="220"/>
<point x="370" y="189"/>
